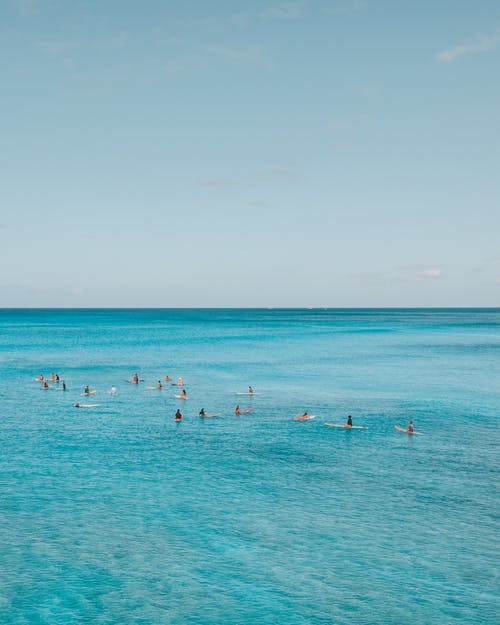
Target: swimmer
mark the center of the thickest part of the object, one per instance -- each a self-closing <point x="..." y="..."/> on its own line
<point x="159" y="385"/>
<point x="349" y="421"/>
<point x="63" y="385"/>
<point x="202" y="412"/>
<point x="178" y="415"/>
<point x="237" y="411"/>
<point x="168" y="378"/>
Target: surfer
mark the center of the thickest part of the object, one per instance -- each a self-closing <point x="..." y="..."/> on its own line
<point x="159" y="385"/>
<point x="113" y="390"/>
<point x="180" y="382"/>
<point x="52" y="377"/>
<point x="77" y="405"/>
<point x="183" y="394"/>
<point x="250" y="390"/>
<point x="57" y="378"/>
<point x="40" y="377"/>
<point x="135" y="379"/>
<point x="202" y="412"/>
<point x="410" y="427"/>
<point x="168" y="378"/>
<point x="305" y="414"/>
<point x="45" y="385"/>
<point x="349" y="421"/>
<point x="178" y="415"/>
<point x="237" y="411"/>
<point x="86" y="390"/>
<point x="63" y="385"/>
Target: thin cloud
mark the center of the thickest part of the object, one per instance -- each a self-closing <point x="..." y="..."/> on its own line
<point x="237" y="53"/>
<point x="219" y="183"/>
<point x="481" y="43"/>
<point x="430" y="274"/>
<point x="346" y="7"/>
<point x="287" y="11"/>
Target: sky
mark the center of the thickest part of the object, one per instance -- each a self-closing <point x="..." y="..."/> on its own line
<point x="228" y="153"/>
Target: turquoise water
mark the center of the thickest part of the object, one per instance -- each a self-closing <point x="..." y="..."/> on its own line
<point x="119" y="515"/>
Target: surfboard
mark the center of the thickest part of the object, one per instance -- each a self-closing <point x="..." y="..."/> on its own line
<point x="247" y="393"/>
<point x="217" y="414"/>
<point x="87" y="405"/>
<point x="247" y="410"/>
<point x="154" y="388"/>
<point x="180" y="397"/>
<point x="307" y="417"/>
<point x="347" y="427"/>
<point x="90" y="392"/>
<point x="400" y="429"/>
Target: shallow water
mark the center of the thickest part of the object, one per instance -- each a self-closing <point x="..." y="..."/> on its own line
<point x="118" y="514"/>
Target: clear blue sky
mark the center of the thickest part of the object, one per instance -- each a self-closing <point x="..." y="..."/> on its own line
<point x="230" y="153"/>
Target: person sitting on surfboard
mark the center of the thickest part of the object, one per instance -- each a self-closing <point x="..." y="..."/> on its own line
<point x="86" y="390"/>
<point x="63" y="385"/>
<point x="250" y="390"/>
<point x="183" y="394"/>
<point x="135" y="379"/>
<point x="349" y="421"/>
<point x="178" y="415"/>
<point x="202" y="412"/>
<point x="40" y="377"/>
<point x="159" y="385"/>
<point x="180" y="382"/>
<point x="410" y="426"/>
<point x="237" y="411"/>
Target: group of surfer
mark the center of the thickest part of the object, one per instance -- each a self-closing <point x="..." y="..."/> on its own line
<point x="52" y="378"/>
<point x="183" y="396"/>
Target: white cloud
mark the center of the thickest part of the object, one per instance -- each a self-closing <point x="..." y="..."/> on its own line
<point x="431" y="273"/>
<point x="481" y="43"/>
<point x="287" y="11"/>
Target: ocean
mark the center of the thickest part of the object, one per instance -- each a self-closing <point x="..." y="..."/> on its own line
<point x="117" y="514"/>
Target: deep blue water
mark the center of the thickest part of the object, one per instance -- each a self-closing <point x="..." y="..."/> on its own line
<point x="119" y="515"/>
